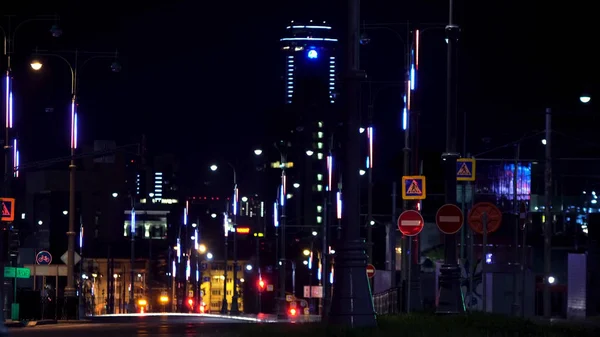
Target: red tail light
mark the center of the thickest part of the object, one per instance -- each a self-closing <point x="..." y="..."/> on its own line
<point x="293" y="312"/>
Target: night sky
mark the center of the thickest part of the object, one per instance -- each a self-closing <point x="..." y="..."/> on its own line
<point x="202" y="79"/>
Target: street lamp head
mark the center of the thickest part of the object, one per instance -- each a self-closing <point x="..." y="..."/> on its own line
<point x="364" y="39"/>
<point x="55" y="31"/>
<point x="213" y="215"/>
<point x="362" y="172"/>
<point x="115" y="67"/>
<point x="306" y="252"/>
<point x="258" y="152"/>
<point x="209" y="255"/>
<point x="202" y="248"/>
<point x="115" y="194"/>
<point x="245" y="199"/>
<point x="36" y="65"/>
<point x="214" y="167"/>
<point x="585" y="98"/>
<point x="309" y="152"/>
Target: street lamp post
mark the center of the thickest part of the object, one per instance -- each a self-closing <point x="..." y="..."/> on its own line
<point x="11" y="152"/>
<point x="74" y="66"/>
<point x="234" y="299"/>
<point x="450" y="299"/>
<point x="352" y="303"/>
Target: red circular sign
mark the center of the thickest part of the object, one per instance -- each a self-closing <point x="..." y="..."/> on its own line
<point x="449" y="219"/>
<point x="410" y="223"/>
<point x="475" y="218"/>
<point x="370" y="271"/>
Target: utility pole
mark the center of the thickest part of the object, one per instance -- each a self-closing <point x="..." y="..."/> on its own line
<point x="282" y="223"/>
<point x="450" y="298"/>
<point x="131" y="306"/>
<point x="548" y="214"/>
<point x="352" y="303"/>
<point x="515" y="306"/>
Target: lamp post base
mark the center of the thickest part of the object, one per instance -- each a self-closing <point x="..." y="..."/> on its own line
<point x="224" y="306"/>
<point x="352" y="302"/>
<point x="71" y="307"/>
<point x="235" y="309"/>
<point x="450" y="300"/>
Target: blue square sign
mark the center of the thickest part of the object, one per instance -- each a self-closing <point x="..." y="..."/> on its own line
<point x="413" y="188"/>
<point x="465" y="169"/>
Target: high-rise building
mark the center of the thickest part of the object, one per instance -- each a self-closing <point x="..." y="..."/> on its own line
<point x="310" y="82"/>
<point x="310" y="62"/>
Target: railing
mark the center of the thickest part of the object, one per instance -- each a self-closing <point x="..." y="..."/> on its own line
<point x="388" y="302"/>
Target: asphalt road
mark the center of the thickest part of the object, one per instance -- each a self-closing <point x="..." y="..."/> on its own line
<point x="149" y="326"/>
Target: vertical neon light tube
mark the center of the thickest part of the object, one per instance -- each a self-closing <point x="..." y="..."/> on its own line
<point x="405" y="116"/>
<point x="73" y="126"/>
<point x="262" y="209"/>
<point x="275" y="215"/>
<point x="10" y="110"/>
<point x="338" y="202"/>
<point x="185" y="216"/>
<point x="15" y="159"/>
<point x="412" y="77"/>
<point x="281" y="194"/>
<point x="173" y="269"/>
<point x="417" y="42"/>
<point x="310" y="260"/>
<point x="331" y="275"/>
<point x="178" y="248"/>
<point x="188" y="269"/>
<point x="235" y="200"/>
<point x="320" y="271"/>
<point x="196" y="239"/>
<point x="370" y="135"/>
<point x="7" y="98"/>
<point x="18" y="163"/>
<point x="132" y="223"/>
<point x="80" y="236"/>
<point x="329" y="171"/>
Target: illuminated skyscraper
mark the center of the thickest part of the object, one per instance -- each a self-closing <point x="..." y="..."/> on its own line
<point x="310" y="84"/>
<point x="310" y="62"/>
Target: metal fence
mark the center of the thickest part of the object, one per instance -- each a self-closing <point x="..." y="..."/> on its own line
<point x="388" y="302"/>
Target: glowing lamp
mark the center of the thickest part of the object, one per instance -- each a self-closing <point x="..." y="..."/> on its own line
<point x="36" y="65"/>
<point x="142" y="302"/>
<point x="312" y="54"/>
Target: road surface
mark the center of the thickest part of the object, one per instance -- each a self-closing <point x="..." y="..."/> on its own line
<point x="147" y="326"/>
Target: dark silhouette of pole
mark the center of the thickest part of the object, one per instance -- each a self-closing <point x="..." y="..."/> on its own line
<point x="352" y="303"/>
<point x="548" y="215"/>
<point x="450" y="298"/>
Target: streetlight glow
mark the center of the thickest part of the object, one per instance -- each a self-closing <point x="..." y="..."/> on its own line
<point x="585" y="98"/>
<point x="258" y="152"/>
<point x="213" y="215"/>
<point x="202" y="248"/>
<point x="209" y="256"/>
<point x="306" y="252"/>
<point x="36" y="65"/>
<point x="543" y="141"/>
<point x="214" y="167"/>
<point x="309" y="153"/>
<point x="114" y="195"/>
<point x="244" y="199"/>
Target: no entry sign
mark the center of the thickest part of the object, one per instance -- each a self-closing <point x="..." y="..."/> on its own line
<point x="370" y="271"/>
<point x="449" y="219"/>
<point x="410" y="223"/>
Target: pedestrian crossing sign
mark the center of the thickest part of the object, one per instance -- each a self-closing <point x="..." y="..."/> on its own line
<point x="413" y="188"/>
<point x="8" y="209"/>
<point x="465" y="169"/>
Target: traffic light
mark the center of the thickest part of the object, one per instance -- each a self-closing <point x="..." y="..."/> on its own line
<point x="261" y="285"/>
